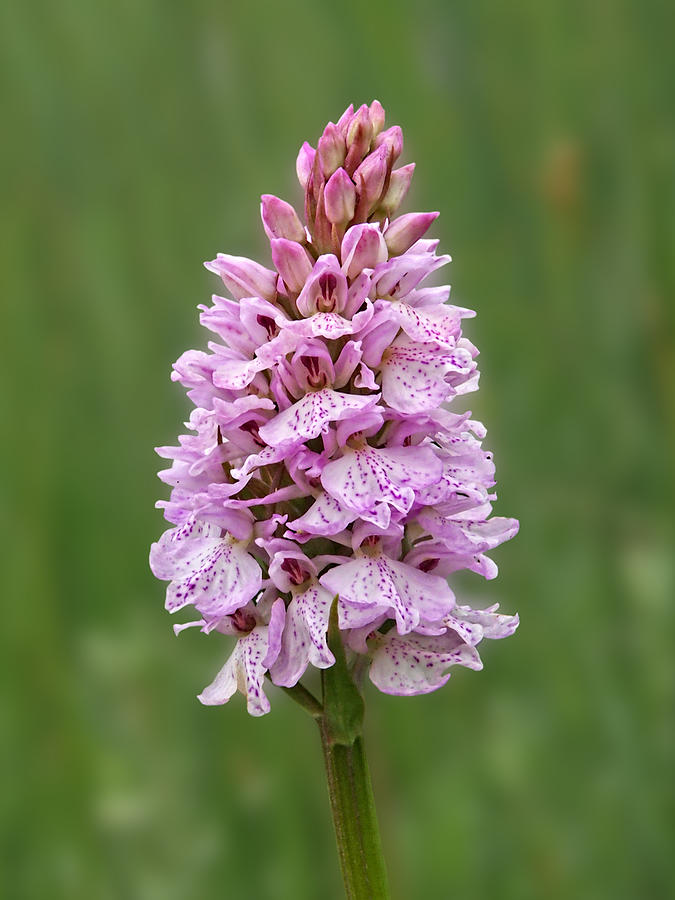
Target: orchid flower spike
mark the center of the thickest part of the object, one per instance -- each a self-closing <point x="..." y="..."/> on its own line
<point x="326" y="476"/>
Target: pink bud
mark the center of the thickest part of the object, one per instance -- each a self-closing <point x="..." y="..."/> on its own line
<point x="292" y="262"/>
<point x="243" y="277"/>
<point x="399" y="182"/>
<point x="359" y="136"/>
<point x="376" y="117"/>
<point x="393" y="139"/>
<point x="345" y="119"/>
<point x="370" y="178"/>
<point x="363" y="247"/>
<point x="331" y="149"/>
<point x="280" y="220"/>
<point x="304" y="163"/>
<point x="339" y="198"/>
<point x="322" y="230"/>
<point x="404" y="231"/>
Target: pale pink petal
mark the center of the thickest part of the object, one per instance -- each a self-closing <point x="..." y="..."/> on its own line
<point x="417" y="664"/>
<point x="244" y="277"/>
<point x="330" y="325"/>
<point x="366" y="379"/>
<point x="440" y="323"/>
<point x="215" y="574"/>
<point x="325" y="517"/>
<point x="415" y="376"/>
<point x="307" y="418"/>
<point x="245" y="672"/>
<point x="274" y="632"/>
<point x="304" y="637"/>
<point x="475" y="624"/>
<point x="379" y="583"/>
<point x="468" y="537"/>
<point x="366" y="478"/>
<point x="401" y="274"/>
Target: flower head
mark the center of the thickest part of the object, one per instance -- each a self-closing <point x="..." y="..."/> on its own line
<point x="324" y="463"/>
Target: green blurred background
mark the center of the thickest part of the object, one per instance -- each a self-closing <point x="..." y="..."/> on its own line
<point x="137" y="137"/>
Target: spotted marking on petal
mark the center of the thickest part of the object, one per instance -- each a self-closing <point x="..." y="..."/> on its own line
<point x="304" y="637"/>
<point x="382" y="584"/>
<point x="311" y="415"/>
<point x="244" y="671"/>
<point x="440" y="323"/>
<point x="365" y="479"/>
<point x="415" y="377"/>
<point x="325" y="517"/>
<point x="215" y="574"/>
<point x="417" y="664"/>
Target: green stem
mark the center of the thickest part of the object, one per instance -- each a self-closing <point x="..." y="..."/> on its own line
<point x="340" y="721"/>
<point x="355" y="819"/>
<point x="349" y="787"/>
<point x="305" y="699"/>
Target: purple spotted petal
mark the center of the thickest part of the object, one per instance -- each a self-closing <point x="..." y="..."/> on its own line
<point x="416" y="377"/>
<point x="325" y="517"/>
<point x="475" y="624"/>
<point x="369" y="586"/>
<point x="331" y="325"/>
<point x="439" y="324"/>
<point x="307" y="418"/>
<point x="463" y="537"/>
<point x="245" y="672"/>
<point x="417" y="664"/>
<point x="367" y="478"/>
<point x="216" y="574"/>
<point x="304" y="637"/>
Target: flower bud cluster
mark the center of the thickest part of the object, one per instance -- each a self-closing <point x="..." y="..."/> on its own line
<point x="324" y="464"/>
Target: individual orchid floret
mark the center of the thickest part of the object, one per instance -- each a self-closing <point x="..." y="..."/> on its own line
<point x="259" y="635"/>
<point x="280" y="220"/>
<point x="243" y="277"/>
<point x="399" y="184"/>
<point x="363" y="247"/>
<point x="339" y="198"/>
<point x="292" y="263"/>
<point x="329" y="486"/>
<point x="331" y="150"/>
<point x="403" y="232"/>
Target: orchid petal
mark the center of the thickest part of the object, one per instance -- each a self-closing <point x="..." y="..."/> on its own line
<point x="417" y="664"/>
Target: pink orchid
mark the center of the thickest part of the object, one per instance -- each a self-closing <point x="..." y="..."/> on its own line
<point x="325" y="468"/>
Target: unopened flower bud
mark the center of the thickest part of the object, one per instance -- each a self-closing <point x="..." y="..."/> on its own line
<point x="292" y="263"/>
<point x="363" y="247"/>
<point x="244" y="277"/>
<point x="370" y="178"/>
<point x="331" y="149"/>
<point x="359" y="136"/>
<point x="280" y="220"/>
<point x="342" y="123"/>
<point x="399" y="182"/>
<point x="322" y="228"/>
<point x="339" y="198"/>
<point x="376" y="117"/>
<point x="393" y="139"/>
<point x="304" y="163"/>
<point x="404" y="231"/>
